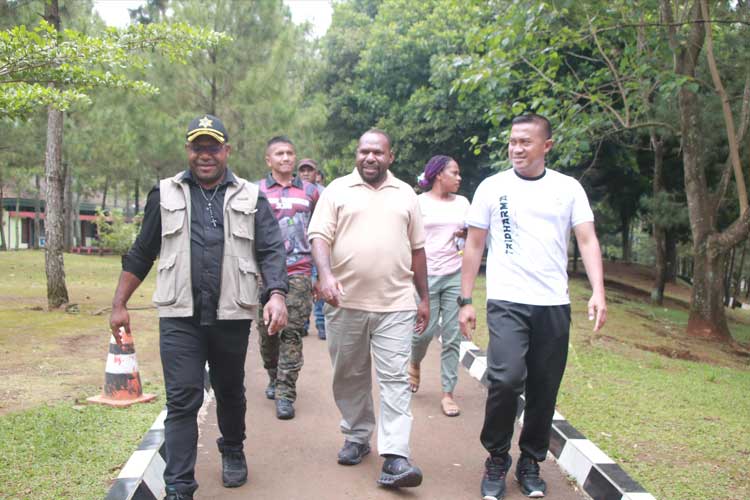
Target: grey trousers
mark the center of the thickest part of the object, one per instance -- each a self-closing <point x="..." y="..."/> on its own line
<point x="352" y="336"/>
<point x="444" y="290"/>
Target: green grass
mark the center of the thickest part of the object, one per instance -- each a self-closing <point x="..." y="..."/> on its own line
<point x="69" y="451"/>
<point x="678" y="427"/>
<point x="51" y="446"/>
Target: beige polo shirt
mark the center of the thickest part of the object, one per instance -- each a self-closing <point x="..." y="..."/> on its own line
<point x="372" y="233"/>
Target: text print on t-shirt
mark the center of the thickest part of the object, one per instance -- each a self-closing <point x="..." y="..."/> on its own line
<point x="505" y="220"/>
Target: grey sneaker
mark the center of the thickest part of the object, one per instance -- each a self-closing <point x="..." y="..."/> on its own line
<point x="352" y="453"/>
<point x="527" y="475"/>
<point x="399" y="473"/>
<point x="271" y="390"/>
<point x="233" y="469"/>
<point x="493" y="481"/>
<point x="284" y="409"/>
<point x="173" y="494"/>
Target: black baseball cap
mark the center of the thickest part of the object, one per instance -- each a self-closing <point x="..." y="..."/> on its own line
<point x="207" y="125"/>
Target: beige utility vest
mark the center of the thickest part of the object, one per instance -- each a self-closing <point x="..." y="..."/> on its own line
<point x="238" y="293"/>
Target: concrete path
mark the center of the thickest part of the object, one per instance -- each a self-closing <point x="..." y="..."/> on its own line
<point x="296" y="459"/>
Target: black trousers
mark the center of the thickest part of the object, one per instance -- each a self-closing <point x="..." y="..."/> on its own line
<point x="528" y="348"/>
<point x="185" y="347"/>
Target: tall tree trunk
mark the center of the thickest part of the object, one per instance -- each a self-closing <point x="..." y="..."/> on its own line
<point x="728" y="274"/>
<point x="659" y="233"/>
<point x="68" y="210"/>
<point x="77" y="236"/>
<point x="3" y="244"/>
<point x="137" y="198"/>
<point x="738" y="276"/>
<point x="37" y="211"/>
<point x="671" y="263"/>
<point x="57" y="292"/>
<point x="627" y="244"/>
<point x="17" y="225"/>
<point x="707" y="316"/>
<point x="660" y="264"/>
<point x="104" y="193"/>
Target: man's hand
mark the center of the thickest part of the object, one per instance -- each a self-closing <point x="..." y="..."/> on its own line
<point x="119" y="318"/>
<point x="330" y="289"/>
<point x="598" y="310"/>
<point x="467" y="320"/>
<point x="274" y="313"/>
<point x="423" y="316"/>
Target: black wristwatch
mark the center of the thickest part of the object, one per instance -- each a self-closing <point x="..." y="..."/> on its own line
<point x="463" y="301"/>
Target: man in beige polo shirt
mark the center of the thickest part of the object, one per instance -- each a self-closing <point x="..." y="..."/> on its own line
<point x="368" y="244"/>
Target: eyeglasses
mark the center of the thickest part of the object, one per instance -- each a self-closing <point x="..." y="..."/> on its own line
<point x="213" y="149"/>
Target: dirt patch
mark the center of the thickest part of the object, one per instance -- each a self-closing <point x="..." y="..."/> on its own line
<point x="670" y="352"/>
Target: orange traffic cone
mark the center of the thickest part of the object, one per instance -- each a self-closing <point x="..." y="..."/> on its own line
<point x="122" y="382"/>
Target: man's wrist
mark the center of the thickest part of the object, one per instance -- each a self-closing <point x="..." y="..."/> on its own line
<point x="277" y="292"/>
<point x="463" y="301"/>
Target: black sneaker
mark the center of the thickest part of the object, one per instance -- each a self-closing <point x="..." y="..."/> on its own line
<point x="233" y="469"/>
<point x="527" y="475"/>
<point x="284" y="409"/>
<point x="493" y="482"/>
<point x="352" y="453"/>
<point x="173" y="494"/>
<point x="399" y="473"/>
<point x="271" y="390"/>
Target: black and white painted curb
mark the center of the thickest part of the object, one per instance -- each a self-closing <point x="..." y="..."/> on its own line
<point x="142" y="476"/>
<point x="597" y="474"/>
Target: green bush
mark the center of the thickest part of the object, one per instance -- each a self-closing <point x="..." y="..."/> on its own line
<point x="115" y="233"/>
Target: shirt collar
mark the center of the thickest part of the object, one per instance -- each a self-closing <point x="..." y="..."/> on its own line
<point x="356" y="180"/>
<point x="229" y="177"/>
<point x="270" y="181"/>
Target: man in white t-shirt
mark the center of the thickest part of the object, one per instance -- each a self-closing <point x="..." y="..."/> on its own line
<point x="526" y="213"/>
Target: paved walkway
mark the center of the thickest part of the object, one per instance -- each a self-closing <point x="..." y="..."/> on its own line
<point x="296" y="459"/>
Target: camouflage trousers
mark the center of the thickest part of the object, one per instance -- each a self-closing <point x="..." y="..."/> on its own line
<point x="282" y="353"/>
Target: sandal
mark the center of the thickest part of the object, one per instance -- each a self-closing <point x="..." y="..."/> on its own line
<point x="414" y="371"/>
<point x="449" y="407"/>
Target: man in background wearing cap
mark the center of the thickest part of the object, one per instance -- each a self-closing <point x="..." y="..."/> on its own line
<point x="292" y="201"/>
<point x="213" y="232"/>
<point x="308" y="171"/>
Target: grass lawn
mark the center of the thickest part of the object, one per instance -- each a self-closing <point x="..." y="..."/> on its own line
<point x="51" y="445"/>
<point x="673" y="411"/>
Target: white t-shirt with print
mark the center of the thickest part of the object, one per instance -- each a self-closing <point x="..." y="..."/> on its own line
<point x="528" y="223"/>
<point x="442" y="219"/>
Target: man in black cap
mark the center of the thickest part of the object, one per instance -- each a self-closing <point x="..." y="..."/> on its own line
<point x="213" y="233"/>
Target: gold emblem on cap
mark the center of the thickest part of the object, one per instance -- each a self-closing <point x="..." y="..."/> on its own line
<point x="205" y="122"/>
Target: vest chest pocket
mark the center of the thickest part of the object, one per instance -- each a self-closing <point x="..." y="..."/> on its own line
<point x="166" y="282"/>
<point x="248" y="283"/>
<point x="172" y="217"/>
<point x="242" y="225"/>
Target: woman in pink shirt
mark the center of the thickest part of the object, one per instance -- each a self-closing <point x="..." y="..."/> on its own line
<point x="443" y="213"/>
